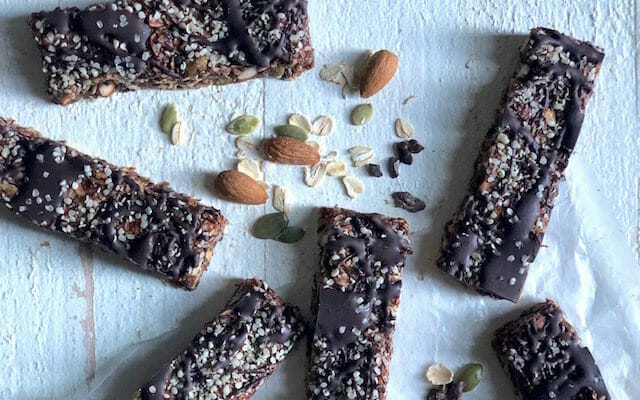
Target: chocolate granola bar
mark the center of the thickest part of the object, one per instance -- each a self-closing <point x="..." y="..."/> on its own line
<point x="171" y="44"/>
<point x="233" y="354"/>
<point x="62" y="190"/>
<point x="357" y="294"/>
<point x="498" y="230"/>
<point x="542" y="354"/>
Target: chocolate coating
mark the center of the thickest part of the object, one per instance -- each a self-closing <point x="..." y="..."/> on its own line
<point x="497" y="232"/>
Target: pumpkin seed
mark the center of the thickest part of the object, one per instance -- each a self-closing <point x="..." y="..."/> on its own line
<point x="292" y="131"/>
<point x="291" y="235"/>
<point x="243" y="125"/>
<point x="300" y="121"/>
<point x="362" y="114"/>
<point x="169" y="118"/>
<point x="470" y="375"/>
<point x="270" y="226"/>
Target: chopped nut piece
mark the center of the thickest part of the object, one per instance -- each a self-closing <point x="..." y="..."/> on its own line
<point x="394" y="167"/>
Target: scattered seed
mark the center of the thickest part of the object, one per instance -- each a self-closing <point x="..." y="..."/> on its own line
<point x="291" y="235"/>
<point x="169" y="118"/>
<point x="470" y="376"/>
<point x="246" y="144"/>
<point x="408" y="100"/>
<point x="270" y="226"/>
<point x="361" y="155"/>
<point x="354" y="186"/>
<point x="336" y="168"/>
<point x="374" y="170"/>
<point x="414" y="146"/>
<point x="282" y="199"/>
<point x="7" y="189"/>
<point x="362" y="114"/>
<point x="402" y="152"/>
<point x="394" y="167"/>
<point x="333" y="73"/>
<point x="243" y="125"/>
<point x="331" y="156"/>
<point x="404" y="129"/>
<point x="292" y="131"/>
<point x="322" y="126"/>
<point x="407" y="201"/>
<point x="315" y="174"/>
<point x="439" y="374"/>
<point x="301" y="121"/>
<point x="253" y="168"/>
<point x="178" y="133"/>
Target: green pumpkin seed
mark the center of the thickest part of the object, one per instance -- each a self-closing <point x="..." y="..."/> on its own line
<point x="169" y="118"/>
<point x="362" y="114"/>
<point x="270" y="226"/>
<point x="292" y="131"/>
<point x="470" y="375"/>
<point x="291" y="235"/>
<point x="243" y="125"/>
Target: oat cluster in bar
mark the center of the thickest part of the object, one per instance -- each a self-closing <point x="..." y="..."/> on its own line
<point x="133" y="44"/>
<point x="62" y="190"/>
<point x="357" y="294"/>
<point x="233" y="354"/>
<point x="498" y="230"/>
<point x="542" y="354"/>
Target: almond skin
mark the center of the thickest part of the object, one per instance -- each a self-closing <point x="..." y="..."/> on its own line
<point x="240" y="188"/>
<point x="378" y="73"/>
<point x="285" y="150"/>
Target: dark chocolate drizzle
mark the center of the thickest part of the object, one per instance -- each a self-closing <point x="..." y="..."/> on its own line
<point x="340" y="312"/>
<point x="100" y="26"/>
<point x="282" y="324"/>
<point x="166" y="245"/>
<point x="554" y="362"/>
<point x="519" y="239"/>
<point x="240" y="39"/>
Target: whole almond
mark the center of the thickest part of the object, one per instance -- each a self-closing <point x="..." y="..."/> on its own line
<point x="285" y="150"/>
<point x="241" y="188"/>
<point x="378" y="73"/>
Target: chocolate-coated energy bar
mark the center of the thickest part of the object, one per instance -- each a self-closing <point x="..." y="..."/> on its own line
<point x="357" y="294"/>
<point x="542" y="354"/>
<point x="172" y="44"/>
<point x="497" y="232"/>
<point x="62" y="190"/>
<point x="233" y="354"/>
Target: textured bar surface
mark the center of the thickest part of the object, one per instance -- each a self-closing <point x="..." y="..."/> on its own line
<point x="233" y="354"/>
<point x="542" y="354"/>
<point x="62" y="190"/>
<point x="452" y="391"/>
<point x="498" y="230"/>
<point x="357" y="294"/>
<point x="133" y="44"/>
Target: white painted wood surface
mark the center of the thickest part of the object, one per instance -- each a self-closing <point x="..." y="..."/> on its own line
<point x="71" y="316"/>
